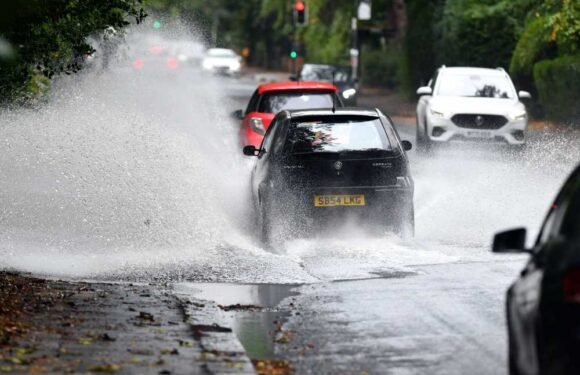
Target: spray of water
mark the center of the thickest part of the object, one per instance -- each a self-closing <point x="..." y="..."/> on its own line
<point x="132" y="171"/>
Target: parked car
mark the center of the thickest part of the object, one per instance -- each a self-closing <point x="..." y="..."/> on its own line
<point x="543" y="305"/>
<point x="222" y="60"/>
<point x="271" y="98"/>
<point x="471" y="104"/>
<point x="324" y="165"/>
<point x="340" y="76"/>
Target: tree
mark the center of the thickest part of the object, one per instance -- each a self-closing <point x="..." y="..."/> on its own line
<point x="50" y="37"/>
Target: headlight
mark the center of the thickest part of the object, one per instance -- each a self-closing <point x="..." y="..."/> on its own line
<point x="519" y="115"/>
<point x="207" y="64"/>
<point x="436" y="113"/>
<point x="348" y="93"/>
<point x="257" y="125"/>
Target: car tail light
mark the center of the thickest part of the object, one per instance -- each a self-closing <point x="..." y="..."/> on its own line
<point x="257" y="125"/>
<point x="571" y="285"/>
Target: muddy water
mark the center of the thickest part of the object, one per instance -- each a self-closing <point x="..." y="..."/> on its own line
<point x="256" y="327"/>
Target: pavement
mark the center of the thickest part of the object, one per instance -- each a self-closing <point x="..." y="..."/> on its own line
<point x="55" y="326"/>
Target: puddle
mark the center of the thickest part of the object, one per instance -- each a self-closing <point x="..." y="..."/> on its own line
<point x="254" y="327"/>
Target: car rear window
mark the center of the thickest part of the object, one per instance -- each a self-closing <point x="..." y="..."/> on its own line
<point x="339" y="135"/>
<point x="279" y="101"/>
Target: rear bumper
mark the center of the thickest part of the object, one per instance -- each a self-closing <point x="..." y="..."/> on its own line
<point x="380" y="203"/>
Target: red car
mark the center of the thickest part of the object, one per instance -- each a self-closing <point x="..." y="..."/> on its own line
<point x="271" y="98"/>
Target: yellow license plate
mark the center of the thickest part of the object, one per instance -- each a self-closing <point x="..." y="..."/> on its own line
<point x="339" y="200"/>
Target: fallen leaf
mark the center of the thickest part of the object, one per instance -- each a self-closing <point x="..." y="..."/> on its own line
<point x="105" y="368"/>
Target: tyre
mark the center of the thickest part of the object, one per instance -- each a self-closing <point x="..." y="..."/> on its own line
<point x="405" y="225"/>
<point x="265" y="225"/>
<point x="424" y="144"/>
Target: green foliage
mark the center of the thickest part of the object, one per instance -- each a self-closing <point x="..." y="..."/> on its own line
<point x="52" y="38"/>
<point x="327" y="35"/>
<point x="382" y="67"/>
<point x="532" y="46"/>
<point x="419" y="45"/>
<point x="476" y="33"/>
<point x="558" y="85"/>
<point x="563" y="22"/>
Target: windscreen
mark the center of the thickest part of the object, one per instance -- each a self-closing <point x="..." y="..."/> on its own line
<point x="352" y="135"/>
<point x="476" y="85"/>
<point x="324" y="73"/>
<point x="279" y="101"/>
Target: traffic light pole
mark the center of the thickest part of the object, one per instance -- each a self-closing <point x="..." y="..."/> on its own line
<point x="354" y="51"/>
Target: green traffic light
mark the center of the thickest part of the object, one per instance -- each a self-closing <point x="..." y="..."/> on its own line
<point x="156" y="24"/>
<point x="293" y="54"/>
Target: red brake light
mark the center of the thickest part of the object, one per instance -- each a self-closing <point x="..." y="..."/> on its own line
<point x="571" y="285"/>
<point x="172" y="63"/>
<point x="138" y="64"/>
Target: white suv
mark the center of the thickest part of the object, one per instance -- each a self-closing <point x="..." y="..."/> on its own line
<point x="467" y="104"/>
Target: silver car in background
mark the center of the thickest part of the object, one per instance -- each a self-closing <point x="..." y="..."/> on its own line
<point x="471" y="104"/>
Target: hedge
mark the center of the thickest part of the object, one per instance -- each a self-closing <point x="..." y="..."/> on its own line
<point x="381" y="67"/>
<point x="558" y="85"/>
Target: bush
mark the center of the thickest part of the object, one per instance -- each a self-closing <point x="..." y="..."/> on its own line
<point x="474" y="34"/>
<point x="558" y="85"/>
<point x="381" y="67"/>
<point x="531" y="48"/>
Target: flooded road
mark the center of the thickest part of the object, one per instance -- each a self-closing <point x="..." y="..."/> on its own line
<point x="136" y="175"/>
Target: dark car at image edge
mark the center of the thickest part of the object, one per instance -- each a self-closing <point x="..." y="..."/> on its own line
<point x="316" y="166"/>
<point x="543" y="304"/>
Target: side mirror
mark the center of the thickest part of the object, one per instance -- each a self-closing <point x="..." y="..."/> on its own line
<point x="293" y="77"/>
<point x="407" y="145"/>
<point x="425" y="90"/>
<point x="250" y="150"/>
<point x="238" y="115"/>
<point x="524" y="95"/>
<point x="511" y="241"/>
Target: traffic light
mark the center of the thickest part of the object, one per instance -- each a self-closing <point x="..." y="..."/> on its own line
<point x="293" y="54"/>
<point x="156" y="24"/>
<point x="300" y="13"/>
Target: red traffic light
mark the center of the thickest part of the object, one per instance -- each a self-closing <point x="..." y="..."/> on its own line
<point x="299" y="6"/>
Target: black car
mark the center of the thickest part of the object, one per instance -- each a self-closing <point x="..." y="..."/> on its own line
<point x="341" y="76"/>
<point x="318" y="166"/>
<point x="543" y="305"/>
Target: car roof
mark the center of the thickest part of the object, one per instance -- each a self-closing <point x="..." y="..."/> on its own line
<point x="325" y="66"/>
<point x="469" y="70"/>
<point x="348" y="111"/>
<point x="296" y="85"/>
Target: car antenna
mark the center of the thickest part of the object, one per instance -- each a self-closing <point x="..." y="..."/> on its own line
<point x="334" y="93"/>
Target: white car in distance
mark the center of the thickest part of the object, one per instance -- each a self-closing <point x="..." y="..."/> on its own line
<point x="222" y="60"/>
<point x="471" y="104"/>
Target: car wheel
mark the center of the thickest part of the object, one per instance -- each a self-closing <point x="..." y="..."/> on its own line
<point x="405" y="225"/>
<point x="424" y="144"/>
<point x="265" y="226"/>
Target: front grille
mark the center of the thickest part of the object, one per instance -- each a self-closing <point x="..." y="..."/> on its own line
<point x="484" y="122"/>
